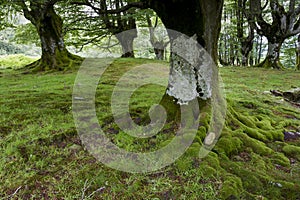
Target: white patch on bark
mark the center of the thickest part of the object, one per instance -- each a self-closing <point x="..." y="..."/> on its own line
<point x="191" y="71"/>
<point x="273" y="51"/>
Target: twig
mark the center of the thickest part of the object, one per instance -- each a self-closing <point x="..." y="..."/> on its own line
<point x="16" y="191"/>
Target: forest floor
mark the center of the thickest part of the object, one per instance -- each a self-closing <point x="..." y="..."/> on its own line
<point x="41" y="156"/>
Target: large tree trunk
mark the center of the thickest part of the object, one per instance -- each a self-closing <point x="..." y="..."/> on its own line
<point x="203" y="22"/>
<point x="126" y="39"/>
<point x="272" y="59"/>
<point x="298" y="54"/>
<point x="55" y="56"/>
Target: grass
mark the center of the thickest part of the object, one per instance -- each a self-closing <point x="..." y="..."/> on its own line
<point x="15" y="61"/>
<point x="41" y="156"/>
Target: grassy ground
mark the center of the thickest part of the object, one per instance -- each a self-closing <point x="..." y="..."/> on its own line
<point x="41" y="156"/>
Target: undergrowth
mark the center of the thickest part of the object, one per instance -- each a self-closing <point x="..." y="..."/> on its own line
<point x="42" y="156"/>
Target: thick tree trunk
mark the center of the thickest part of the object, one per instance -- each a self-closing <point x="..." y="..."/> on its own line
<point x="55" y="56"/>
<point x="188" y="81"/>
<point x="126" y="39"/>
<point x="298" y="54"/>
<point x="272" y="59"/>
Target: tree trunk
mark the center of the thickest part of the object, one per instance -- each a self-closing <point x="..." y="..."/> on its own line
<point x="158" y="46"/>
<point x="203" y="22"/>
<point x="298" y="54"/>
<point x="126" y="39"/>
<point x="55" y="56"/>
<point x="272" y="59"/>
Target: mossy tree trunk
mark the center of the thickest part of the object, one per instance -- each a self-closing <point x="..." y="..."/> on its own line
<point x="286" y="23"/>
<point x="48" y="24"/>
<point x="203" y="23"/>
<point x="298" y="53"/>
<point x="272" y="59"/>
<point x="246" y="41"/>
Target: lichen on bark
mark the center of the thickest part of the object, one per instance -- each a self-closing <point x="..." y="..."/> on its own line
<point x="191" y="72"/>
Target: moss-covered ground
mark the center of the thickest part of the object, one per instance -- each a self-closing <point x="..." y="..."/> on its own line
<point x="41" y="156"/>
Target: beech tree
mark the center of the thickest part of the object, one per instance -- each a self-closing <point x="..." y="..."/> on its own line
<point x="245" y="40"/>
<point x="158" y="44"/>
<point x="298" y="53"/>
<point x="117" y="18"/>
<point x="198" y="18"/>
<point x="285" y="23"/>
<point x="49" y="26"/>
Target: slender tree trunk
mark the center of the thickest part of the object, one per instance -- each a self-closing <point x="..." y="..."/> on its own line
<point x="298" y="54"/>
<point x="272" y="59"/>
<point x="55" y="55"/>
<point x="260" y="50"/>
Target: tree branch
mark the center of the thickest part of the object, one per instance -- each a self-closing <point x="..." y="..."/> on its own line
<point x="113" y="11"/>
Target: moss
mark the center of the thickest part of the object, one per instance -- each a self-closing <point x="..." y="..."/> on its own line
<point x="258" y="162"/>
<point x="268" y="64"/>
<point x="189" y="158"/>
<point x="207" y="171"/>
<point x="232" y="188"/>
<point x="257" y="146"/>
<point x="280" y="159"/>
<point x="264" y="124"/>
<point x="254" y="133"/>
<point x="292" y="151"/>
<point x="229" y="145"/>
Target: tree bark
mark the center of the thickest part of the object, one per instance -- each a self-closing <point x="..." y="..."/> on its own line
<point x="55" y="55"/>
<point x="159" y="46"/>
<point x="246" y="42"/>
<point x="298" y="54"/>
<point x="272" y="59"/>
<point x="285" y="24"/>
<point x="203" y="24"/>
<point x="126" y="39"/>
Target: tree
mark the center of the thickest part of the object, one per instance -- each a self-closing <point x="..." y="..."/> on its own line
<point x="229" y="46"/>
<point x="298" y="53"/>
<point x="246" y="41"/>
<point x="48" y="24"/>
<point x="203" y="23"/>
<point x="159" y="45"/>
<point x="284" y="25"/>
<point x="115" y="20"/>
